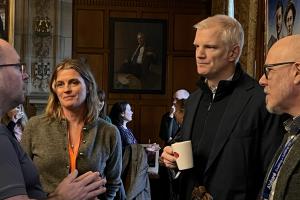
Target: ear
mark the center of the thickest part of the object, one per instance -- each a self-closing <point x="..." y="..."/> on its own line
<point x="297" y="73"/>
<point x="234" y="53"/>
<point x="122" y="114"/>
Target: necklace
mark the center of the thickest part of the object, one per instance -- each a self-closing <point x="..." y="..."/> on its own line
<point x="72" y="144"/>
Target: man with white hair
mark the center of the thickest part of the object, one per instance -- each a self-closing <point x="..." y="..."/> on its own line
<point x="281" y="82"/>
<point x="19" y="179"/>
<point x="233" y="136"/>
<point x="168" y="126"/>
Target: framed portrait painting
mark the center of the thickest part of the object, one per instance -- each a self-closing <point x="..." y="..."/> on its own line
<point x="7" y="12"/>
<point x="137" y="55"/>
<point x="282" y="19"/>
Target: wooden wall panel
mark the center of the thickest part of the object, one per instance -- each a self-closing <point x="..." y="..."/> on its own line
<point x="123" y="14"/>
<point x="150" y="123"/>
<point x="96" y="63"/>
<point x="155" y="15"/>
<point x="89" y="28"/>
<point x="184" y="73"/>
<point x="93" y="40"/>
<point x="183" y="40"/>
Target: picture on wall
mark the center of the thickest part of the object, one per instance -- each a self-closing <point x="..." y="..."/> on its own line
<point x="283" y="19"/>
<point x="137" y="55"/>
<point x="4" y="13"/>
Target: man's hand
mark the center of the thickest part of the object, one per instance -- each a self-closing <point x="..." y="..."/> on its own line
<point x="168" y="158"/>
<point x="86" y="186"/>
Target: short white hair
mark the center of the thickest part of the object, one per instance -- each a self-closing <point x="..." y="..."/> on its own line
<point x="232" y="30"/>
<point x="181" y="94"/>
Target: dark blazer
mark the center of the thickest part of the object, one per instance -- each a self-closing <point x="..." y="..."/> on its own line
<point x="243" y="146"/>
<point x="135" y="173"/>
<point x="288" y="181"/>
<point x="168" y="127"/>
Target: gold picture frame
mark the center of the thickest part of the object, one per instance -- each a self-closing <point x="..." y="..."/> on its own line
<point x="133" y="39"/>
<point x="7" y="20"/>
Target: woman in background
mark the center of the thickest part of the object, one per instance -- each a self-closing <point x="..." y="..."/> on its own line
<point x="120" y="115"/>
<point x="101" y="96"/>
<point x="70" y="135"/>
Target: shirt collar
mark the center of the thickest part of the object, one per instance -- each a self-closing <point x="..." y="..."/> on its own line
<point x="214" y="89"/>
<point x="292" y="125"/>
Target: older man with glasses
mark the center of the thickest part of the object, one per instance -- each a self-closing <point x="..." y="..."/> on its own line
<point x="281" y="82"/>
<point x="21" y="66"/>
<point x="19" y="178"/>
<point x="268" y="67"/>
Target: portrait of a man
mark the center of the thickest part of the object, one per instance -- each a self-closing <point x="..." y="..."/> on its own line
<point x="289" y="17"/>
<point x="3" y="30"/>
<point x="137" y="61"/>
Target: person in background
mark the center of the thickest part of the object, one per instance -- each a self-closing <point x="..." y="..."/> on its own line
<point x="15" y="120"/>
<point x="233" y="136"/>
<point x="283" y="96"/>
<point x="19" y="177"/>
<point x="179" y="111"/>
<point x="101" y="96"/>
<point x="168" y="125"/>
<point x="289" y="17"/>
<point x="173" y="185"/>
<point x="120" y="114"/>
<point x="70" y="135"/>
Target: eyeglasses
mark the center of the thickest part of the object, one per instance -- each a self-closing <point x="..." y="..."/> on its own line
<point x="21" y="66"/>
<point x="267" y="67"/>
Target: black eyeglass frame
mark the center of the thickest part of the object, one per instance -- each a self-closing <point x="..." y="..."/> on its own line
<point x="266" y="67"/>
<point x="22" y="66"/>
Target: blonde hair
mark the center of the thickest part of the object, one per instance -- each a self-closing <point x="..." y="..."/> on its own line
<point x="54" y="110"/>
<point x="232" y="31"/>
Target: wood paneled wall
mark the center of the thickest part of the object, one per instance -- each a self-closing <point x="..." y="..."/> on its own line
<point x="91" y="40"/>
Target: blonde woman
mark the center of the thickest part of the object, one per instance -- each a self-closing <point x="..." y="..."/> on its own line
<point x="71" y="135"/>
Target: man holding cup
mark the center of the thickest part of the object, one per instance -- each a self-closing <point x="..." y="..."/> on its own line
<point x="232" y="134"/>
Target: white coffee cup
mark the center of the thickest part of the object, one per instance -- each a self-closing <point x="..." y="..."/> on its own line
<point x="184" y="155"/>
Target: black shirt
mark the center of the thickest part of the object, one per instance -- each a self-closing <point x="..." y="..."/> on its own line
<point x="18" y="175"/>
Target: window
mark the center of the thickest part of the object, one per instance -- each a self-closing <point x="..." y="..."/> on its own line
<point x="231" y="8"/>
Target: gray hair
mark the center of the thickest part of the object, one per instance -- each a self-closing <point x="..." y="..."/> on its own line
<point x="233" y="33"/>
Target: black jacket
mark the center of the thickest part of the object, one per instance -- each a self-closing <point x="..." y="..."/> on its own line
<point x="244" y="144"/>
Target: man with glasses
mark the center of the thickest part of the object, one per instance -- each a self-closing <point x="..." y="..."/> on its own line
<point x="281" y="82"/>
<point x="18" y="176"/>
<point x="233" y="135"/>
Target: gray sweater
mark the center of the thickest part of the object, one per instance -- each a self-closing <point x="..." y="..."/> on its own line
<point x="46" y="142"/>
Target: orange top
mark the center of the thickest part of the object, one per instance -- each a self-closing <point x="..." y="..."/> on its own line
<point x="73" y="151"/>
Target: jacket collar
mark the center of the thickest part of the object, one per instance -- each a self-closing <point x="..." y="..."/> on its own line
<point x="225" y="86"/>
<point x="292" y="125"/>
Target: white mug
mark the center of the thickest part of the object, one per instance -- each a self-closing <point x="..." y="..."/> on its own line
<point x="184" y="154"/>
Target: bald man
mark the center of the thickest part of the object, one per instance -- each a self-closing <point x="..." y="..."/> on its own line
<point x="19" y="179"/>
<point x="281" y="82"/>
<point x="168" y="126"/>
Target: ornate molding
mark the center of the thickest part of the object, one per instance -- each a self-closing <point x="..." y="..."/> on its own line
<point x="42" y="38"/>
<point x="143" y="3"/>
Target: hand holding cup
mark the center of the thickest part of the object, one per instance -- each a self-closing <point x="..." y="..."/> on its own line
<point x="183" y="153"/>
